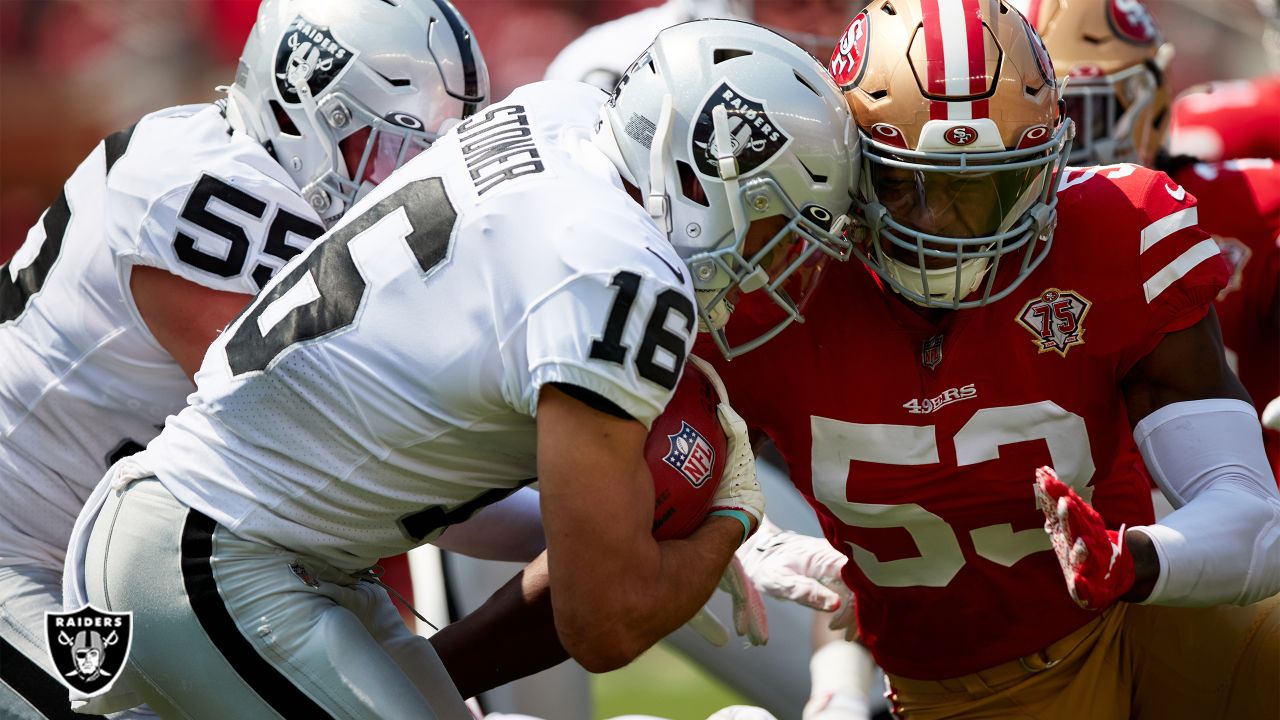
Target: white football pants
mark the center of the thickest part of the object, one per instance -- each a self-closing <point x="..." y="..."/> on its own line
<point x="229" y="628"/>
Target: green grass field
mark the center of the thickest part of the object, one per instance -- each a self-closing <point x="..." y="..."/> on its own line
<point x="662" y="683"/>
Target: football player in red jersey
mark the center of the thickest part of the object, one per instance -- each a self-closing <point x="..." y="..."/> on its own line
<point x="1229" y="119"/>
<point x="1007" y="314"/>
<point x="1117" y="93"/>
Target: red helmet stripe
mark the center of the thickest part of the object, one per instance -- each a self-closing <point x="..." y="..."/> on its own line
<point x="935" y="60"/>
<point x="1033" y="12"/>
<point x="977" y="49"/>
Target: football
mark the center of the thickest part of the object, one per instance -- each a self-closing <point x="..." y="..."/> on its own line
<point x="686" y="452"/>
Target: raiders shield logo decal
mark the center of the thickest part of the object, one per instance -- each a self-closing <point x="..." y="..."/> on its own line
<point x="309" y="54"/>
<point x="1056" y="320"/>
<point x="754" y="138"/>
<point x="88" y="647"/>
<point x="691" y="455"/>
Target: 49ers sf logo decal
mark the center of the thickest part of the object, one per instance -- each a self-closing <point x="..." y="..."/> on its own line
<point x="1132" y="21"/>
<point x="960" y="135"/>
<point x="1056" y="320"/>
<point x="847" y="60"/>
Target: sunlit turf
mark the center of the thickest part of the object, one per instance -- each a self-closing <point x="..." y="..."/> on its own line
<point x="662" y="683"/>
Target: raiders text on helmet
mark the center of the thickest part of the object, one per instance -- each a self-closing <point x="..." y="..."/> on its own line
<point x="344" y="91"/>
<point x="723" y="123"/>
<point x="957" y="108"/>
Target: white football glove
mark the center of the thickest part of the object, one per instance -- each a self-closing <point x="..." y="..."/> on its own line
<point x="742" y="712"/>
<point x="749" y="618"/>
<point x="789" y="566"/>
<point x="1271" y="415"/>
<point x="738" y="494"/>
<point x="841" y="675"/>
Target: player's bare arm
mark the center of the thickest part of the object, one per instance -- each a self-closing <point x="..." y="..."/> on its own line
<point x="184" y="317"/>
<point x="616" y="590"/>
<point x="516" y="627"/>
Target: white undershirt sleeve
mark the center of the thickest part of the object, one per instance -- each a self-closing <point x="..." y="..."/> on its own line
<point x="1222" y="542"/>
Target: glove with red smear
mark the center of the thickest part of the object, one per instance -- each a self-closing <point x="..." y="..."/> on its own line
<point x="1094" y="562"/>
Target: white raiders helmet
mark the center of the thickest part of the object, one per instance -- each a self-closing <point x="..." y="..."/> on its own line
<point x="723" y="123"/>
<point x="342" y="92"/>
<point x="817" y="43"/>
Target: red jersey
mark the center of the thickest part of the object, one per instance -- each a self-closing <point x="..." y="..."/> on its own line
<point x="1225" y="120"/>
<point x="916" y="442"/>
<point x="1240" y="207"/>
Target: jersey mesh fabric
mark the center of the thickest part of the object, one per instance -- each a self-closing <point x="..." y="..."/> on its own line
<point x="81" y="378"/>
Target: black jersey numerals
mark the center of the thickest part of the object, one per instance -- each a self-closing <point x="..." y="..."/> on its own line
<point x="16" y="289"/>
<point x="322" y="294"/>
<point x="609" y="346"/>
<point x="199" y="210"/>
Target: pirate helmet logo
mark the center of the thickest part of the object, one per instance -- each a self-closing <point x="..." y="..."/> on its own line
<point x="754" y="138"/>
<point x="308" y="54"/>
<point x="88" y="647"/>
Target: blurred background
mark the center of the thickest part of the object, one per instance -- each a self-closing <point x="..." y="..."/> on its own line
<point x="73" y="71"/>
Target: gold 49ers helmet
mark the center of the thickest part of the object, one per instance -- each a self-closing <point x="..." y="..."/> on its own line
<point x="1111" y="61"/>
<point x="962" y="140"/>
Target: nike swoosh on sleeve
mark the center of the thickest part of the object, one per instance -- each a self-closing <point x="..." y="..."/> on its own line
<point x="679" y="275"/>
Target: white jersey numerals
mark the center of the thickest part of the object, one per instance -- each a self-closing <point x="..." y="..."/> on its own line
<point x="17" y="289"/>
<point x="835" y="443"/>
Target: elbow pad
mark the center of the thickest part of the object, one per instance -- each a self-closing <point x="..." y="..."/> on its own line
<point x="1222" y="543"/>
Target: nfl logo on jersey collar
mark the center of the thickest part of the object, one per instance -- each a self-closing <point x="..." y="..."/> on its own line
<point x="931" y="352"/>
<point x="1056" y="320"/>
<point x="691" y="455"/>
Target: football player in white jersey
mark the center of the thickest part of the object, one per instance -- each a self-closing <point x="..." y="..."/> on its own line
<point x="599" y="57"/>
<point x="161" y="236"/>
<point x="602" y="53"/>
<point x="515" y="303"/>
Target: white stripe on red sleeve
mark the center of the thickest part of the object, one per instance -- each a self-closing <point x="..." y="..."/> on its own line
<point x="1168" y="225"/>
<point x="1171" y="273"/>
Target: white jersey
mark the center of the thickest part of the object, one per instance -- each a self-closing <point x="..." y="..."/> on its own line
<point x="82" y="380"/>
<point x="384" y="385"/>
<point x="603" y="53"/>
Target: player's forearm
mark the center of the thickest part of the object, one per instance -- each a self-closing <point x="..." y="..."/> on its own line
<point x="512" y="635"/>
<point x="1222" y="544"/>
<point x="632" y="605"/>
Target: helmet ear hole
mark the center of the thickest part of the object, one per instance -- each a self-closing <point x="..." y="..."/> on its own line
<point x="282" y="120"/>
<point x="690" y="186"/>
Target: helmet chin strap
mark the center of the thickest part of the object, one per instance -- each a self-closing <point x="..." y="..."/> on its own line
<point x="299" y="82"/>
<point x="656" y="203"/>
<point x="727" y="166"/>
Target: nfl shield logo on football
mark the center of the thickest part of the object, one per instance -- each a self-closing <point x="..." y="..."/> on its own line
<point x="88" y="647"/>
<point x="1056" y="320"/>
<point x="691" y="455"/>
